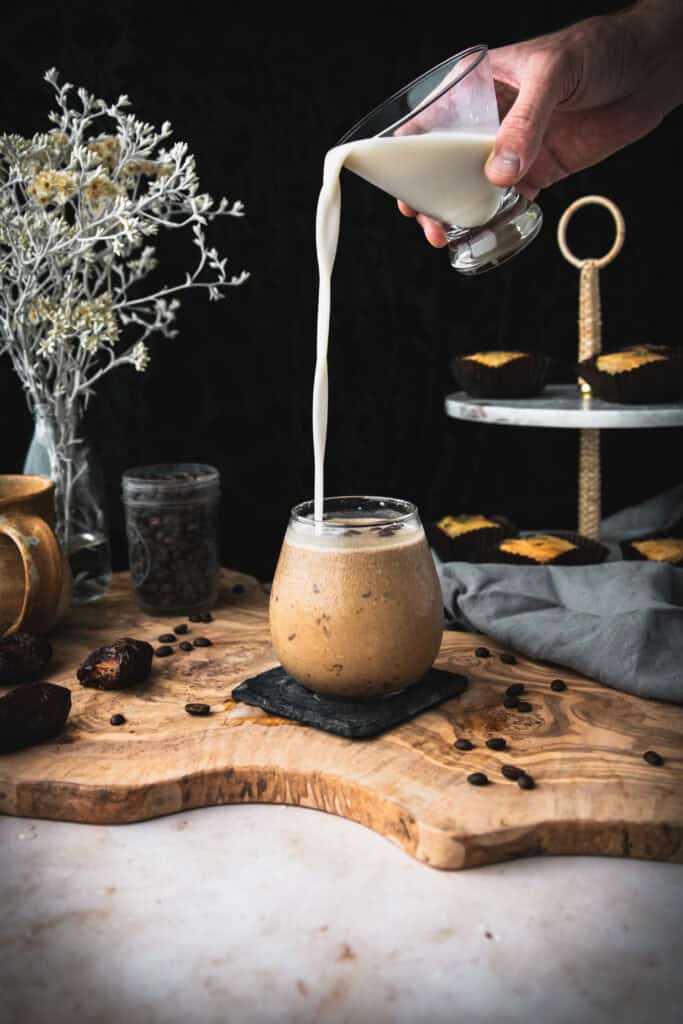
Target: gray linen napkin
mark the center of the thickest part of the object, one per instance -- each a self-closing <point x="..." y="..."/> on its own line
<point x="620" y="622"/>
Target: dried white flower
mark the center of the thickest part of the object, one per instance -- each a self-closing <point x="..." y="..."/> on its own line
<point x="77" y="204"/>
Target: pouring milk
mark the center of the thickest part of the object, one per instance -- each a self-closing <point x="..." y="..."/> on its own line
<point x="440" y="174"/>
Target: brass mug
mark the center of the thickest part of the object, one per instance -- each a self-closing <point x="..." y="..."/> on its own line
<point x="35" y="579"/>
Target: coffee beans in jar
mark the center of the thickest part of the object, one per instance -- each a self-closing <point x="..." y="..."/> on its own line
<point x="171" y="525"/>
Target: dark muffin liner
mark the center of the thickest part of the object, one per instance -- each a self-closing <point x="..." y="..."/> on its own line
<point x="520" y="378"/>
<point x="653" y="382"/>
<point x="586" y="552"/>
<point x="632" y="555"/>
<point x="470" y="546"/>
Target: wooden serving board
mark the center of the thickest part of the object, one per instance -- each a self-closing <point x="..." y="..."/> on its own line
<point x="595" y="794"/>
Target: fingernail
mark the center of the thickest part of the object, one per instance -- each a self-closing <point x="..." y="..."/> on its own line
<point x="505" y="164"/>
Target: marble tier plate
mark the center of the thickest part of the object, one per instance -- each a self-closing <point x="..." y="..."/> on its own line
<point x="560" y="405"/>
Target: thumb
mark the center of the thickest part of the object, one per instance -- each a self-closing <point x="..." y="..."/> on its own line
<point x="520" y="136"/>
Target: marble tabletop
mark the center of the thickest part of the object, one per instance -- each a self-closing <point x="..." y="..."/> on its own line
<point x="256" y="913"/>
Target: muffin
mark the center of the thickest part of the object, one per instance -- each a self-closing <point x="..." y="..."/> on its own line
<point x="501" y="374"/>
<point x="464" y="538"/>
<point x="548" y="549"/>
<point x="656" y="548"/>
<point x="642" y="373"/>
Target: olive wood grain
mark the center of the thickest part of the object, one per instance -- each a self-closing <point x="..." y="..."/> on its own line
<point x="595" y="794"/>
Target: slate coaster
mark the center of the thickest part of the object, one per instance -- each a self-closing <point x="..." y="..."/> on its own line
<point x="280" y="694"/>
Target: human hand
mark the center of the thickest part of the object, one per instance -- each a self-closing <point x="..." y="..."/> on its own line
<point x="570" y="99"/>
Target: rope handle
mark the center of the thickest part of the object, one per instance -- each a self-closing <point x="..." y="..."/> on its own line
<point x="600" y="261"/>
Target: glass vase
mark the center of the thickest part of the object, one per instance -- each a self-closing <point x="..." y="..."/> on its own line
<point x="59" y="451"/>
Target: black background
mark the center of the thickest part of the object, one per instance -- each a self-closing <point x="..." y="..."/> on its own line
<point x="259" y="98"/>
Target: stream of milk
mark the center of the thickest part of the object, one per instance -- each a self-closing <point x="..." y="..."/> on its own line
<point x="440" y="174"/>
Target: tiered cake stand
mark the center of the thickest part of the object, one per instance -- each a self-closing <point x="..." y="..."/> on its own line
<point x="571" y="406"/>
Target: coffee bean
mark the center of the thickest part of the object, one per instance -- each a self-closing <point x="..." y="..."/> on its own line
<point x="496" y="743"/>
<point x="653" y="758"/>
<point x="558" y="685"/>
<point x="166" y="638"/>
<point x="510" y="702"/>
<point x="478" y="779"/>
<point x="514" y="690"/>
<point x="508" y="659"/>
<point x="463" y="745"/>
<point x="198" y="709"/>
<point x="185" y="645"/>
<point x="163" y="652"/>
<point x="525" y="781"/>
<point x="203" y="641"/>
<point x="483" y="652"/>
<point x="510" y="771"/>
<point x="524" y="706"/>
<point x="195" y="618"/>
<point x="182" y="628"/>
<point x="117" y="719"/>
<point x="238" y="589"/>
<point x="206" y="617"/>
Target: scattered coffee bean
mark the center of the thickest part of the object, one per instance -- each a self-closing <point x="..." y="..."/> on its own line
<point x="203" y="641"/>
<point x="185" y="645"/>
<point x="514" y="690"/>
<point x="652" y="757"/>
<point x="238" y="589"/>
<point x="206" y="617"/>
<point x="463" y="745"/>
<point x="117" y="719"/>
<point x="496" y="743"/>
<point x="510" y="702"/>
<point x="182" y="628"/>
<point x="198" y="709"/>
<point x="166" y="638"/>
<point x="163" y="652"/>
<point x="195" y="618"/>
<point x="510" y="771"/>
<point x="524" y="706"/>
<point x="558" y="685"/>
<point x="483" y="652"/>
<point x="508" y="659"/>
<point x="478" y="779"/>
<point x="525" y="781"/>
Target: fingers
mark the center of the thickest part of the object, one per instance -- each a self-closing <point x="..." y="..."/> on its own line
<point x="406" y="210"/>
<point x="521" y="133"/>
<point x="433" y="231"/>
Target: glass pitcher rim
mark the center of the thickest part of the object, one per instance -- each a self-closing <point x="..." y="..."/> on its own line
<point x="481" y="48"/>
<point x="407" y="510"/>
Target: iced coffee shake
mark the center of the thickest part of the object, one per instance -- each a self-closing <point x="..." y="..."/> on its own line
<point x="355" y="607"/>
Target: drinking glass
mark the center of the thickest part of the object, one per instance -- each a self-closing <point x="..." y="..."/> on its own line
<point x="446" y="120"/>
<point x="355" y="606"/>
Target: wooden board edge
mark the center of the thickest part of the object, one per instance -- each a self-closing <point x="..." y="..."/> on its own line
<point x="442" y="848"/>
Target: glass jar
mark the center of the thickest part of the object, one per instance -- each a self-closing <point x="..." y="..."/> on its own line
<point x="59" y="451"/>
<point x="355" y="606"/>
<point x="171" y="524"/>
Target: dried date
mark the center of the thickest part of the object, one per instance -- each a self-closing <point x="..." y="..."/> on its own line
<point x="117" y="665"/>
<point x="32" y="713"/>
<point x="23" y="658"/>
